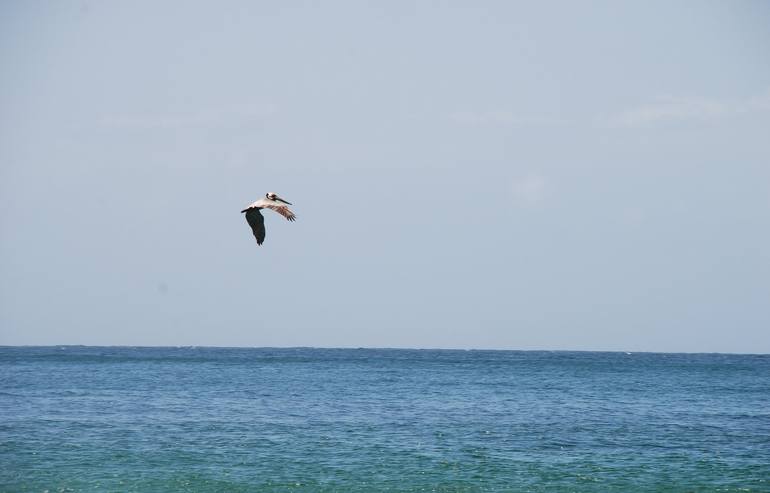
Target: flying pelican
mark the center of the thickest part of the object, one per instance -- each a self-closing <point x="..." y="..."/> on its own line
<point x="255" y="219"/>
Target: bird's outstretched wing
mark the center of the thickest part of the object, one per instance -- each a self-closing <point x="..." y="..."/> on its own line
<point x="257" y="223"/>
<point x="282" y="210"/>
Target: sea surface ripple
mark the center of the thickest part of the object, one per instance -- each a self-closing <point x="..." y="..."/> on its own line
<point x="307" y="420"/>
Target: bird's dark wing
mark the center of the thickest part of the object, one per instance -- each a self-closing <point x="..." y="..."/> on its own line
<point x="257" y="223"/>
<point x="283" y="210"/>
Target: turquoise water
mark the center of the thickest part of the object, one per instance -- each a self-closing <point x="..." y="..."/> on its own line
<point x="206" y="419"/>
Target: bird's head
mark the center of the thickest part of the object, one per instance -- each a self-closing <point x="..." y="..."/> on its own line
<point x="274" y="196"/>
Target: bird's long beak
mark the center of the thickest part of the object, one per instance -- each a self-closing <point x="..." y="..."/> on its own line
<point x="281" y="200"/>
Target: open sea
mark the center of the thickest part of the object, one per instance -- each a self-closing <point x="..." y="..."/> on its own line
<point x="367" y="420"/>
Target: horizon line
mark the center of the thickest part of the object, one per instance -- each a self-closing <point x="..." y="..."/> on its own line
<point x="375" y="348"/>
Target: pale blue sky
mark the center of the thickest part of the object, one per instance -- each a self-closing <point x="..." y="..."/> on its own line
<point x="514" y="175"/>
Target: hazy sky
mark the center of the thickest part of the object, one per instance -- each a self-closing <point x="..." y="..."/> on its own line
<point x="514" y="175"/>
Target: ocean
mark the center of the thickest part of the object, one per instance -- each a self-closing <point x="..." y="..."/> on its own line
<point x="195" y="419"/>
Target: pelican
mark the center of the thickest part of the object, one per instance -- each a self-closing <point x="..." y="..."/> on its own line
<point x="255" y="219"/>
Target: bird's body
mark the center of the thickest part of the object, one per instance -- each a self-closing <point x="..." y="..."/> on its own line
<point x="257" y="221"/>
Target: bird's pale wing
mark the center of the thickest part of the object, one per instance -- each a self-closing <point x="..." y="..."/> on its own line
<point x="283" y="210"/>
<point x="257" y="223"/>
